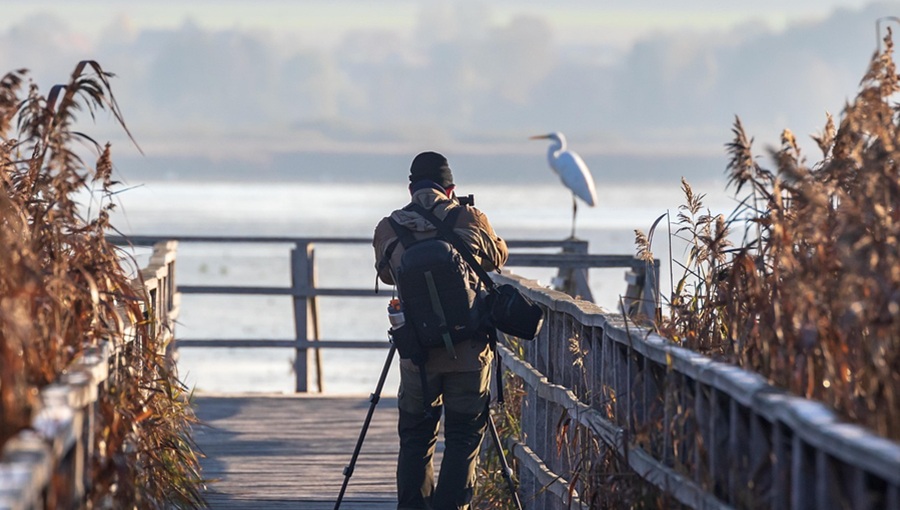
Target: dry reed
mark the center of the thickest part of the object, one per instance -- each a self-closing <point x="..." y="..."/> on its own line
<point x="64" y="287"/>
<point x="810" y="297"/>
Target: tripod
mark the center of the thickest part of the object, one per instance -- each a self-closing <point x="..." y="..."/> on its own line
<point x="375" y="397"/>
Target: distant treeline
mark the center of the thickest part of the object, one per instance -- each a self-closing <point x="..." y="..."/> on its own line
<point x="385" y="168"/>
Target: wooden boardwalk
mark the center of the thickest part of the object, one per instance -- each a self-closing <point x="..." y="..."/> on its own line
<point x="289" y="451"/>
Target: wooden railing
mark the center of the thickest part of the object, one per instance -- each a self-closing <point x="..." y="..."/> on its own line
<point x="707" y="434"/>
<point x="45" y="467"/>
<point x="573" y="261"/>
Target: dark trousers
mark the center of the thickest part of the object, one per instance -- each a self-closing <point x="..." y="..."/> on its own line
<point x="463" y="398"/>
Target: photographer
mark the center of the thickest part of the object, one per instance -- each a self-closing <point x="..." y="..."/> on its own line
<point x="456" y="380"/>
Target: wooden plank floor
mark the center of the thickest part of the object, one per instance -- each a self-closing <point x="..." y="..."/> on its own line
<point x="287" y="451"/>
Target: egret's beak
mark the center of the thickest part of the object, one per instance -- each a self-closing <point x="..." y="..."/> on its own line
<point x="538" y="137"/>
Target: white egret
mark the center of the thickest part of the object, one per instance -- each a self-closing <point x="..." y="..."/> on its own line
<point x="572" y="171"/>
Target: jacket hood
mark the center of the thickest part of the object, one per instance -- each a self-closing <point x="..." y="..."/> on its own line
<point x="428" y="198"/>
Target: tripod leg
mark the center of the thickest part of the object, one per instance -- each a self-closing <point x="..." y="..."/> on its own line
<point x="507" y="471"/>
<point x="374" y="398"/>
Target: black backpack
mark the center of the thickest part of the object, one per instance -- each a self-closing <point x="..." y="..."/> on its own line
<point x="433" y="282"/>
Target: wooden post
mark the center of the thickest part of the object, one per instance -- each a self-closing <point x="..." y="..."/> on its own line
<point x="641" y="301"/>
<point x="739" y="454"/>
<point x="574" y="280"/>
<point x="781" y="467"/>
<point x="301" y="282"/>
<point x="803" y="482"/>
<point x="704" y="438"/>
<point x="170" y="288"/>
<point x="718" y="443"/>
<point x="649" y="296"/>
<point x="315" y="331"/>
<point x="762" y="466"/>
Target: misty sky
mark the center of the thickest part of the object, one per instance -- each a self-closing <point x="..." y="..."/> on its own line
<point x="654" y="76"/>
<point x="325" y="21"/>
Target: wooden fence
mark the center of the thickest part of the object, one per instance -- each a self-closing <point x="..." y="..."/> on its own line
<point x="707" y="434"/>
<point x="45" y="467"/>
<point x="572" y="260"/>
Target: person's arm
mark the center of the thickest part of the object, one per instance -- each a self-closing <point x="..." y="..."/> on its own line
<point x="384" y="236"/>
<point x="489" y="248"/>
<point x="495" y="250"/>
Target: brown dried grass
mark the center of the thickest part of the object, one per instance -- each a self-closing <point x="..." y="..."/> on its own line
<point x="810" y="297"/>
<point x="63" y="287"/>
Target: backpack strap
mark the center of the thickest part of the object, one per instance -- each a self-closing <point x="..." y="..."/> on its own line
<point x="404" y="235"/>
<point x="446" y="231"/>
<point x="450" y="218"/>
<point x="439" y="311"/>
<point x="385" y="260"/>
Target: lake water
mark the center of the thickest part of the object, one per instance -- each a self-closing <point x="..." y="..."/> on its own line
<point x="308" y="209"/>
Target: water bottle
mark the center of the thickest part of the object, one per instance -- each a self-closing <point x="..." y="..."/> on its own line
<point x="395" y="314"/>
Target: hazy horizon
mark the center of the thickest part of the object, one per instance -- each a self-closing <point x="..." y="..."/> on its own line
<point x="225" y="81"/>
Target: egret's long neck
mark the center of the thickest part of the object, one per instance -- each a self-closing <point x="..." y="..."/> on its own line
<point x="553" y="151"/>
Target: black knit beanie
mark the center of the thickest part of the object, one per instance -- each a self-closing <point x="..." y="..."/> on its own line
<point x="433" y="167"/>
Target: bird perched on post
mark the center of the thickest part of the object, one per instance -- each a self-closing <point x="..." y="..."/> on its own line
<point x="572" y="171"/>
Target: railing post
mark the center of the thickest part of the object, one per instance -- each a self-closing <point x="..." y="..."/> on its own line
<point x="781" y="472"/>
<point x="641" y="296"/>
<point x="313" y="310"/>
<point x="306" y="323"/>
<point x="650" y="295"/>
<point x="574" y="280"/>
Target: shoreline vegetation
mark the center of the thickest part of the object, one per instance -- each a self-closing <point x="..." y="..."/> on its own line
<point x="65" y="287"/>
<point x="801" y="282"/>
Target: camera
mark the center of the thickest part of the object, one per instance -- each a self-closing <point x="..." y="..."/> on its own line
<point x="466" y="200"/>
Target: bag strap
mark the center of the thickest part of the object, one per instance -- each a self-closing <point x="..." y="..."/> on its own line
<point x="450" y="236"/>
<point x="404" y="235"/>
<point x="498" y="378"/>
<point x="385" y="260"/>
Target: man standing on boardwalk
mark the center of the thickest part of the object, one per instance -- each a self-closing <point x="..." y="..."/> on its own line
<point x="458" y="385"/>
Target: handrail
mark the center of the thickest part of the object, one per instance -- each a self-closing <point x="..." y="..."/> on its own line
<point x="45" y="467"/>
<point x="709" y="434"/>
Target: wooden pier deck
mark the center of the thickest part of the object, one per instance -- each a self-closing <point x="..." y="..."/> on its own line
<point x="289" y="451"/>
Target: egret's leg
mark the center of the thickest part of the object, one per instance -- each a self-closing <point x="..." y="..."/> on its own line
<point x="574" y="210"/>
